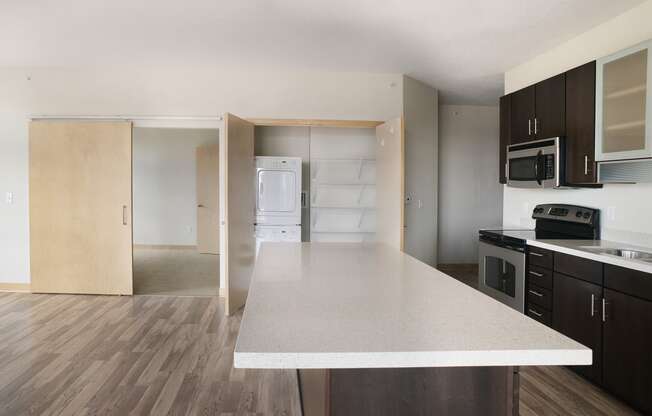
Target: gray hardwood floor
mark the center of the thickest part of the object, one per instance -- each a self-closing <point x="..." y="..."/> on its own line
<point x="108" y="355"/>
<point x="159" y="355"/>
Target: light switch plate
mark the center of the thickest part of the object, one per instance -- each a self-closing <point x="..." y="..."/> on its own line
<point x="9" y="197"/>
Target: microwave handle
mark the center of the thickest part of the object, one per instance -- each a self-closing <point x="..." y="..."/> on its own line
<point x="537" y="165"/>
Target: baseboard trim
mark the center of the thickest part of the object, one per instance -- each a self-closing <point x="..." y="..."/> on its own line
<point x="165" y="246"/>
<point x="15" y="287"/>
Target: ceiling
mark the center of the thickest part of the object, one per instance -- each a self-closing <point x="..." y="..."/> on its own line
<point x="462" y="47"/>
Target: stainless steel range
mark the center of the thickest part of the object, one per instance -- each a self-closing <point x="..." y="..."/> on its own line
<point x="502" y="252"/>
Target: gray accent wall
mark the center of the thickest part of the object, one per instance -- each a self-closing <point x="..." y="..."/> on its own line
<point x="470" y="196"/>
<point x="420" y="112"/>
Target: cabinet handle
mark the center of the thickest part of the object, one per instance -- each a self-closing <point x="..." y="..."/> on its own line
<point x="592" y="304"/>
<point x="535" y="313"/>
<point x="536" y="254"/>
<point x="536" y="125"/>
<point x="536" y="274"/>
<point x="124" y="215"/>
<point x="586" y="164"/>
<point x="529" y="127"/>
<point x="535" y="293"/>
<point x="604" y="310"/>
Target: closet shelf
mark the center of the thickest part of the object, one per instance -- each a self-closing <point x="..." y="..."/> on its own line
<point x="368" y="208"/>
<point x="343" y="231"/>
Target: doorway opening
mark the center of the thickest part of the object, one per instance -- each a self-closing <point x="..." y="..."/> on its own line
<point x="176" y="211"/>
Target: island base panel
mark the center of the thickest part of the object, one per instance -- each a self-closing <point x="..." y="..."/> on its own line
<point x="456" y="391"/>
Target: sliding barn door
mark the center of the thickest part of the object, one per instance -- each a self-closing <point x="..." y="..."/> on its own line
<point x="237" y="210"/>
<point x="80" y="207"/>
<point x="208" y="210"/>
<point x="390" y="183"/>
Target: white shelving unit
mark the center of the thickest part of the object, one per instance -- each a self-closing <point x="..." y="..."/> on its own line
<point x="343" y="187"/>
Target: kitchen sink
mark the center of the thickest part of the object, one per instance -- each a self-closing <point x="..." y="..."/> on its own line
<point x="622" y="252"/>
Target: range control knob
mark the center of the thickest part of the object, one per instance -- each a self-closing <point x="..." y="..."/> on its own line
<point x="578" y="214"/>
<point x="587" y="215"/>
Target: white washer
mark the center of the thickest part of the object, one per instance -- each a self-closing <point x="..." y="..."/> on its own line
<point x="286" y="233"/>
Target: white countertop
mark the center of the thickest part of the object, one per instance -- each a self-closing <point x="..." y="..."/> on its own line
<point x="579" y="248"/>
<point x="348" y="305"/>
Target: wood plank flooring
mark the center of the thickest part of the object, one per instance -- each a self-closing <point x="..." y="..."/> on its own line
<point x="109" y="355"/>
<point x="159" y="355"/>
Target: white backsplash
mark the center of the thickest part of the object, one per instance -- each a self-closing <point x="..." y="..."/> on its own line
<point x="625" y="210"/>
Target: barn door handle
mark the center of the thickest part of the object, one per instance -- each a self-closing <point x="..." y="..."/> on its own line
<point x="200" y="206"/>
<point x="124" y="215"/>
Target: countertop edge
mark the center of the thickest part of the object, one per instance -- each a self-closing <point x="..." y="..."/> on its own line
<point x="580" y="356"/>
<point x="602" y="258"/>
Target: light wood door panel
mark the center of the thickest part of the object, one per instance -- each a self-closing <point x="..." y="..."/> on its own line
<point x="80" y="207"/>
<point x="390" y="183"/>
<point x="208" y="210"/>
<point x="237" y="210"/>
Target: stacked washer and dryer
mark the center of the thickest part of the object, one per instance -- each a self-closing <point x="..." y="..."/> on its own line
<point x="278" y="199"/>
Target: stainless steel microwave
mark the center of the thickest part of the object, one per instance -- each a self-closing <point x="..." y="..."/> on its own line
<point x="536" y="164"/>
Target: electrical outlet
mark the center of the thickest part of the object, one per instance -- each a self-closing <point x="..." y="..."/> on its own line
<point x="189" y="229"/>
<point x="9" y="197"/>
<point x="611" y="213"/>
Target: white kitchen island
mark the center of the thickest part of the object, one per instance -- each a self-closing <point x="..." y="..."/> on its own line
<point x="375" y="331"/>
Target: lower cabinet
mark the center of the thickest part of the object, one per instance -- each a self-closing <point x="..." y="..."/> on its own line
<point x="628" y="348"/>
<point x="577" y="315"/>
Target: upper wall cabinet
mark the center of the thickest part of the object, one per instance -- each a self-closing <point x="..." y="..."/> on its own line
<point x="538" y="111"/>
<point x="624" y="104"/>
<point x="580" y="125"/>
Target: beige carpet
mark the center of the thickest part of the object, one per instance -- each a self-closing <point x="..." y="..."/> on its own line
<point x="175" y="272"/>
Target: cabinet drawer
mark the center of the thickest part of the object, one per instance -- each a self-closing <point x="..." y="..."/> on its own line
<point x="540" y="257"/>
<point x="581" y="268"/>
<point x="540" y="277"/>
<point x="539" y="314"/>
<point x="631" y="282"/>
<point x="539" y="296"/>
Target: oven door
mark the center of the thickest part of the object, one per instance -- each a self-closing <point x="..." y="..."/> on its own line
<point x="502" y="275"/>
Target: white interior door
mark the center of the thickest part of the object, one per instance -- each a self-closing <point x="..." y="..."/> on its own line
<point x="390" y="183"/>
<point x="208" y="239"/>
<point x="237" y="206"/>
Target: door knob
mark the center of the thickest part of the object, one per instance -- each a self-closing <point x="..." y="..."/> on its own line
<point x="200" y="206"/>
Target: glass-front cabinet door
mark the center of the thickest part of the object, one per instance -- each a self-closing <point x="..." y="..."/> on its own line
<point x="624" y="104"/>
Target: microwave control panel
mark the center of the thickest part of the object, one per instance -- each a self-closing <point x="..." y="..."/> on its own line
<point x="549" y="166"/>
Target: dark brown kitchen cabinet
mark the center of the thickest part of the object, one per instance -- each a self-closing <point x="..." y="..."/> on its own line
<point x="580" y="125"/>
<point x="522" y="115"/>
<point x="577" y="314"/>
<point x="550" y="108"/>
<point x="628" y="349"/>
<point x="504" y="135"/>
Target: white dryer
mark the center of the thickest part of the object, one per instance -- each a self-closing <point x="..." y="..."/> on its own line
<point x="278" y="190"/>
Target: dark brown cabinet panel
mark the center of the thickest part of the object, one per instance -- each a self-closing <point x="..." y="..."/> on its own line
<point x="628" y="281"/>
<point x="628" y="349"/>
<point x="550" y="108"/>
<point x="580" y="125"/>
<point x="522" y="115"/>
<point x="539" y="257"/>
<point x="579" y="267"/>
<point x="505" y="120"/>
<point x="577" y="315"/>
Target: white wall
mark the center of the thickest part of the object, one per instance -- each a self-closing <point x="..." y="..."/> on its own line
<point x="164" y="184"/>
<point x="420" y="109"/>
<point x="157" y="91"/>
<point x="629" y="206"/>
<point x="470" y="196"/>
